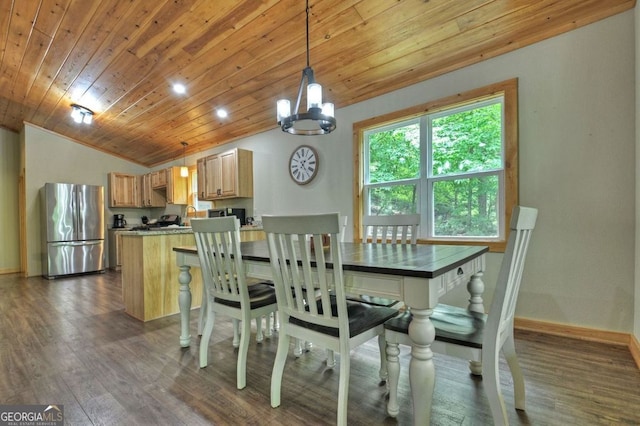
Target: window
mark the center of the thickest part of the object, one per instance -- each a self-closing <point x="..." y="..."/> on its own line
<point x="453" y="161"/>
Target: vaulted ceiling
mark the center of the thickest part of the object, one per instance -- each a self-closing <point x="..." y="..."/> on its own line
<point x="120" y="58"/>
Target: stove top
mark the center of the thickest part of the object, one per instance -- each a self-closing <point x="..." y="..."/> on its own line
<point x="146" y="227"/>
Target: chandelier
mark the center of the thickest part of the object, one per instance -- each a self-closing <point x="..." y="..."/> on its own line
<point x="319" y="119"/>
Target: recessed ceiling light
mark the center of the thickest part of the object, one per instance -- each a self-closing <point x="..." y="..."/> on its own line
<point x="179" y="88"/>
<point x="222" y="113"/>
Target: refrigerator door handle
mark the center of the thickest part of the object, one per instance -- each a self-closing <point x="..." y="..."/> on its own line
<point x="76" y="243"/>
<point x="76" y="216"/>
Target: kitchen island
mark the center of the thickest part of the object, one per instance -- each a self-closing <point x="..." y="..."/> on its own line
<point x="150" y="275"/>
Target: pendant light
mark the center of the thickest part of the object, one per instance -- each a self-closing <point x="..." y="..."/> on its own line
<point x="319" y="119"/>
<point x="184" y="170"/>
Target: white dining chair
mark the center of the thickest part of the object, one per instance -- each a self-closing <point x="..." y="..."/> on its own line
<point x="327" y="320"/>
<point x="476" y="336"/>
<point x="384" y="230"/>
<point x="226" y="287"/>
<point x="300" y="347"/>
<point x="390" y="229"/>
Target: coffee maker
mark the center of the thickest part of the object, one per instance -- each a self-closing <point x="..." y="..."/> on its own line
<point x="118" y="221"/>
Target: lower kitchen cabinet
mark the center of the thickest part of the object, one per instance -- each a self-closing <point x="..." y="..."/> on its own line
<point x="115" y="249"/>
<point x="150" y="286"/>
<point x="252" y="235"/>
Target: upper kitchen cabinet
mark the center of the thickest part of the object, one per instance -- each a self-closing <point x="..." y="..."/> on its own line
<point x="123" y="190"/>
<point x="159" y="179"/>
<point x="201" y="173"/>
<point x="226" y="175"/>
<point x="155" y="189"/>
<point x="212" y="178"/>
<point x="149" y="195"/>
<point x="177" y="186"/>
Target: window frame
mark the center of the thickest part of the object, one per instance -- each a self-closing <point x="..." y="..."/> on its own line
<point x="509" y="91"/>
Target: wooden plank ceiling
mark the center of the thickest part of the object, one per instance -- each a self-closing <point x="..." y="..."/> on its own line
<point x="121" y="57"/>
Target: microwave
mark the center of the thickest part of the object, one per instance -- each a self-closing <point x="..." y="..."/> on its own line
<point x="217" y="212"/>
<point x="239" y="213"/>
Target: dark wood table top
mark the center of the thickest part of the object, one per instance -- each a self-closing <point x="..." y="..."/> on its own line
<point x="419" y="260"/>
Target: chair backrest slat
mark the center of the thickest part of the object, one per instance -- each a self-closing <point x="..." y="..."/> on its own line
<point x="301" y="274"/>
<point x="391" y="229"/>
<point x="218" y="243"/>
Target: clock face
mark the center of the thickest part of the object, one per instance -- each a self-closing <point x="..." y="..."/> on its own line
<point x="303" y="164"/>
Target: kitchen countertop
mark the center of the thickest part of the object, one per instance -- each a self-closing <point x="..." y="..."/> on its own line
<point x="175" y="230"/>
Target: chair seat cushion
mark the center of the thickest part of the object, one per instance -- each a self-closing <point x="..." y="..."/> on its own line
<point x="260" y="294"/>
<point x="362" y="317"/>
<point x="453" y="325"/>
<point x="371" y="300"/>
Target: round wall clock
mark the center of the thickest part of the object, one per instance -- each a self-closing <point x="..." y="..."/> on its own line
<point x="303" y="164"/>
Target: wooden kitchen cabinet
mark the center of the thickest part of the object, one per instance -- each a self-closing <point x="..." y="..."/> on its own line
<point x="201" y="172"/>
<point x="123" y="190"/>
<point x="227" y="175"/>
<point x="252" y="235"/>
<point x="177" y="186"/>
<point x="155" y="189"/>
<point x="149" y="196"/>
<point x="150" y="284"/>
<point x="212" y="171"/>
<point x="159" y="179"/>
<point x="115" y="249"/>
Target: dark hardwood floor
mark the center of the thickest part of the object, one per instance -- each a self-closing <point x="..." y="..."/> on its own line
<point x="69" y="342"/>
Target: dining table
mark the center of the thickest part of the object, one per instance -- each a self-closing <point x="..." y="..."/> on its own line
<point x="417" y="274"/>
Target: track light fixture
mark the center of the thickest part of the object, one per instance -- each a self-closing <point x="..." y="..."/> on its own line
<point x="81" y="114"/>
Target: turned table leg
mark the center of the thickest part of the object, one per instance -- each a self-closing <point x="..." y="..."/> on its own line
<point x="422" y="373"/>
<point x="184" y="301"/>
<point x="475" y="287"/>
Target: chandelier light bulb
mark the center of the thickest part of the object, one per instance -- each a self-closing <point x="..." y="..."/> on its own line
<point x="327" y="109"/>
<point x="283" y="107"/>
<point x="314" y="96"/>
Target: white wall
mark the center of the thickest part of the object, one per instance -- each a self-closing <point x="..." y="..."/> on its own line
<point x="9" y="172"/>
<point x="577" y="162"/>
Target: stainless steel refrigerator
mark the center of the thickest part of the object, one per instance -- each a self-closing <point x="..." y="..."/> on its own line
<point x="73" y="229"/>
